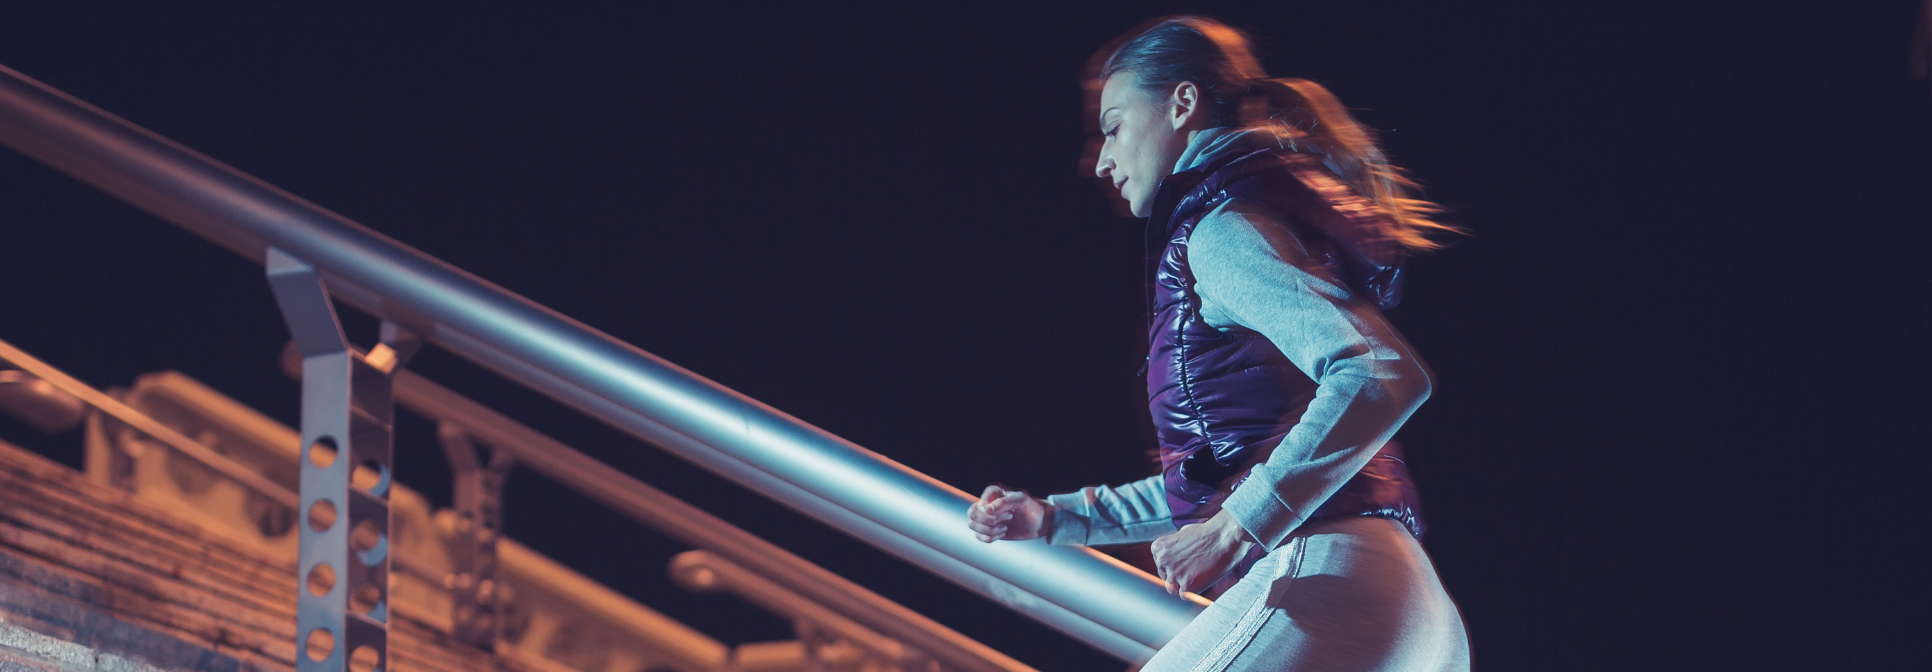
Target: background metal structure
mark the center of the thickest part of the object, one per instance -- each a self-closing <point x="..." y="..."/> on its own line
<point x="1078" y="591"/>
<point x="814" y="625"/>
<point x="477" y="604"/>
<point x="120" y="412"/>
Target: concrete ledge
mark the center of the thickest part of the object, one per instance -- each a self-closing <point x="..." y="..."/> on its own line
<point x="23" y="649"/>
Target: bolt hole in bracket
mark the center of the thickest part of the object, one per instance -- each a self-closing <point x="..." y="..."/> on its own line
<point x="347" y="426"/>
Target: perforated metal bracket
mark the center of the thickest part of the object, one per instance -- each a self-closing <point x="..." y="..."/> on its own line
<point x="341" y="604"/>
<point x="478" y="599"/>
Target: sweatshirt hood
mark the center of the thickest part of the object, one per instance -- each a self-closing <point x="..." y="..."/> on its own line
<point x="1213" y="143"/>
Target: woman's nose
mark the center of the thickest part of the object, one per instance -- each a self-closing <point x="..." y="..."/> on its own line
<point x="1104" y="166"/>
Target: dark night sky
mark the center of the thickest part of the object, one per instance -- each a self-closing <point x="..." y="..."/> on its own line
<point x="1680" y="360"/>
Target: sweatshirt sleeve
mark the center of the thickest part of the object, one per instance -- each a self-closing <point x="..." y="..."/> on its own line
<point x="1102" y="514"/>
<point x="1251" y="271"/>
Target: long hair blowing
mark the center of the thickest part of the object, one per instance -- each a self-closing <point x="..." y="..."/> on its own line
<point x="1302" y="114"/>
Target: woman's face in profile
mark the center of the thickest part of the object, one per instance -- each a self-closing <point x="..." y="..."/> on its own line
<point x="1142" y="137"/>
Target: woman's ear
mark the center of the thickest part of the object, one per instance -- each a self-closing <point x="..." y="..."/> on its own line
<point x="1184" y="104"/>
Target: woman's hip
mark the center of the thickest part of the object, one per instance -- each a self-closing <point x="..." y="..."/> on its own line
<point x="1352" y="593"/>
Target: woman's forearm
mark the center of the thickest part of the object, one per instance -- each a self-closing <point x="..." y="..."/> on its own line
<point x="1352" y="415"/>
<point x="1100" y="514"/>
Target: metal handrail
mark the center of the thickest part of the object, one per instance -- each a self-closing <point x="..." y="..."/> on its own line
<point x="1085" y="594"/>
<point x="670" y="515"/>
<point x="595" y="479"/>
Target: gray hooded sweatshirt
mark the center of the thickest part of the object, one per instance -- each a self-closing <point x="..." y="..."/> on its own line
<point x="1251" y="271"/>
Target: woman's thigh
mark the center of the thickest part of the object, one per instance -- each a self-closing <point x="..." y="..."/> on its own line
<point x="1353" y="594"/>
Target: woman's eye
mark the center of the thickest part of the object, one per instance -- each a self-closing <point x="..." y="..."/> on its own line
<point x="1111" y="131"/>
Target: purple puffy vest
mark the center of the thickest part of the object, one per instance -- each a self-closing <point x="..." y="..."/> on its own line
<point x="1221" y="401"/>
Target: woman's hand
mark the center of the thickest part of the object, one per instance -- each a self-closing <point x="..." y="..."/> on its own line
<point x="1005" y="514"/>
<point x="1197" y="555"/>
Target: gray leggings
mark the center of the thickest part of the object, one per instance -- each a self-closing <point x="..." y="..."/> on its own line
<point x="1343" y="595"/>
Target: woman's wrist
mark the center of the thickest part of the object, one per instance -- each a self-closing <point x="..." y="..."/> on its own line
<point x="1225" y="524"/>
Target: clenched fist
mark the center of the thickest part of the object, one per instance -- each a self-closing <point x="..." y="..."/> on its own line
<point x="1197" y="555"/>
<point x="1005" y="514"/>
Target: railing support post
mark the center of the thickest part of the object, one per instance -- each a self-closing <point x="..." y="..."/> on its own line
<point x="342" y="602"/>
<point x="477" y="598"/>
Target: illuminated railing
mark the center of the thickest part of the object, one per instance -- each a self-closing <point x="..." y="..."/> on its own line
<point x="1075" y="590"/>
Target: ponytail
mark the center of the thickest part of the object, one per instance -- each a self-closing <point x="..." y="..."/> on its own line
<point x="1305" y="117"/>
